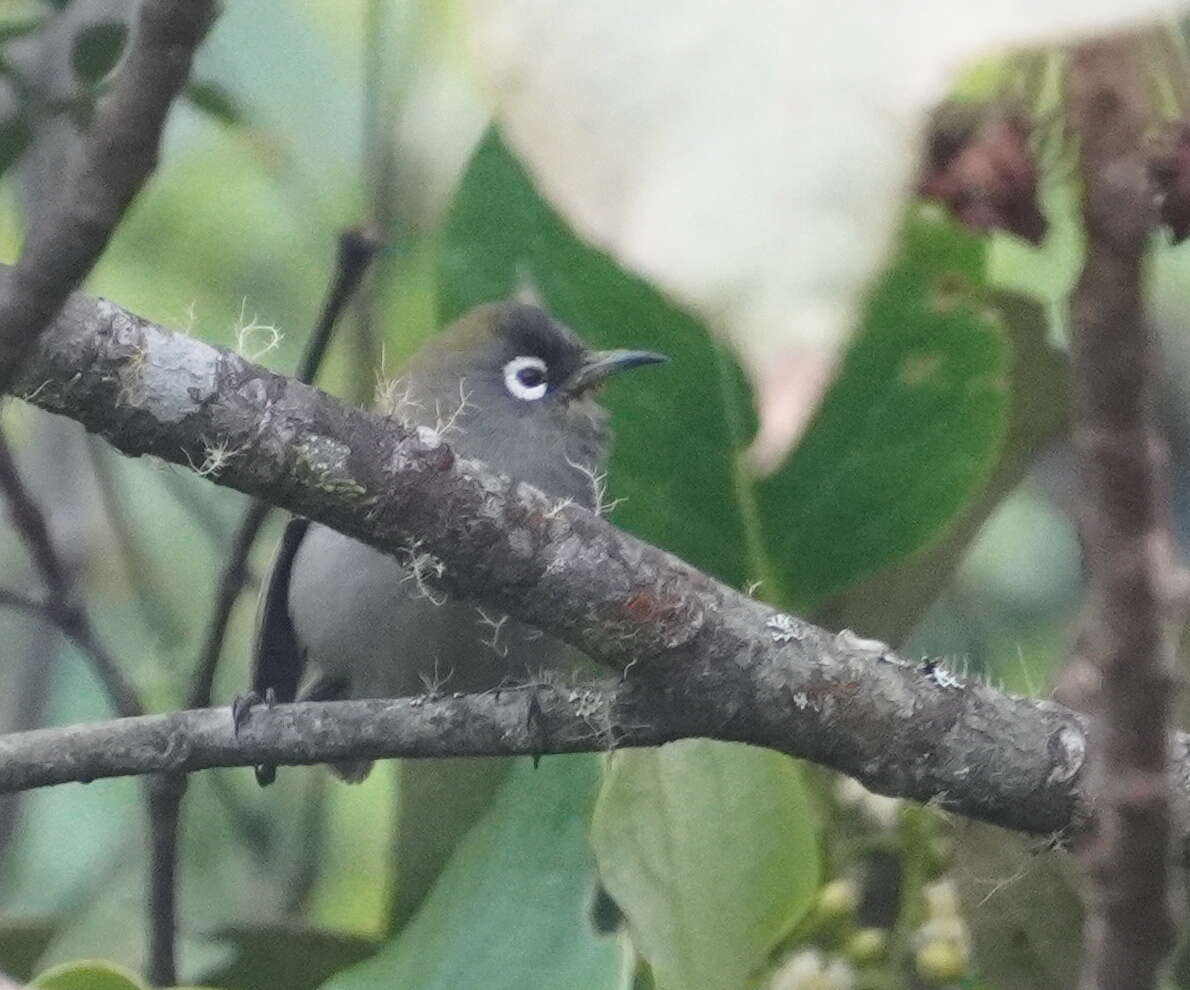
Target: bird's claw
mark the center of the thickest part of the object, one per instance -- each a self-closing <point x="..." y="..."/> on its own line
<point x="241" y="706"/>
<point x="534" y="723"/>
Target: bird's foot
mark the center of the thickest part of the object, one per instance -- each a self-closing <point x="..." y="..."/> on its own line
<point x="535" y="724"/>
<point x="241" y="706"/>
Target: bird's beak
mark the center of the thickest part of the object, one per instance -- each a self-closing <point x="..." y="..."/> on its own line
<point x="601" y="365"/>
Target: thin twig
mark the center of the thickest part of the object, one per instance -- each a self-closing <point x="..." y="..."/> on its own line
<point x="356" y="249"/>
<point x="61" y="605"/>
<point x="377" y="180"/>
<point x="1129" y="927"/>
<point x="231" y="583"/>
<point x="115" y="158"/>
<point x="1020" y="770"/>
<point x="30" y="686"/>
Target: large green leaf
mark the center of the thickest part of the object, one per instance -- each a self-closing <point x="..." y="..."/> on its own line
<point x="907" y="431"/>
<point x="709" y="849"/>
<point x="906" y="435"/>
<point x="511" y="910"/>
<point x="22" y="943"/>
<point x="293" y="956"/>
<point x="674" y="456"/>
<point x="89" y="974"/>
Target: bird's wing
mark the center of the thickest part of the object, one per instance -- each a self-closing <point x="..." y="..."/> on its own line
<point x="277" y="661"/>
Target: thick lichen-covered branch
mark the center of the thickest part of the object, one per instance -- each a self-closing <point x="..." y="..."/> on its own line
<point x="697" y="658"/>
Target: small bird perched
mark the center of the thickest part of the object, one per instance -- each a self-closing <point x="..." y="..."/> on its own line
<point x="506" y="385"/>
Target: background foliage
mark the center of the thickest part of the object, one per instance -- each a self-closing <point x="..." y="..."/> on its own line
<point x="905" y="509"/>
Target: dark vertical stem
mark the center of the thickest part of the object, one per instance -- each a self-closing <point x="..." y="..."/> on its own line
<point x="355" y="252"/>
<point x="1130" y="924"/>
<point x="33" y="677"/>
<point x="164" y="793"/>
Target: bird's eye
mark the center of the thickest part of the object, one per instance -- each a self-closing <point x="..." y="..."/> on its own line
<point x="525" y="377"/>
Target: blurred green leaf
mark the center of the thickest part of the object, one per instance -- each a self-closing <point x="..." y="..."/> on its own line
<point x="907" y="433"/>
<point x="97" y="49"/>
<point x="91" y="974"/>
<point x="215" y="101"/>
<point x="1022" y="905"/>
<point x="19" y="26"/>
<point x="511" y="908"/>
<point x="889" y="603"/>
<point x="22" y="942"/>
<point x="710" y="850"/>
<point x="15" y="135"/>
<point x="674" y="455"/>
<point x="292" y="956"/>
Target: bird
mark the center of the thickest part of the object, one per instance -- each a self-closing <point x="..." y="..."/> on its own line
<point x="506" y="384"/>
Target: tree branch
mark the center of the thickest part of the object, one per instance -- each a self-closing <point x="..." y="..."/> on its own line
<point x="116" y="157"/>
<point x="355" y="251"/>
<point x="62" y="606"/>
<point x="1130" y="927"/>
<point x="699" y="658"/>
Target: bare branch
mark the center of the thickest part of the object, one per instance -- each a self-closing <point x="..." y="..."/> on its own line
<point x="1130" y="927"/>
<point x="62" y="606"/>
<point x="704" y="660"/>
<point x="115" y="158"/>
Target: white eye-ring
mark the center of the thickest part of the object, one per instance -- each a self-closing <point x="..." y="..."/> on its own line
<point x="526" y="378"/>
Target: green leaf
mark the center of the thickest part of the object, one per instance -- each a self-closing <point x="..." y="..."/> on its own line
<point x="1023" y="909"/>
<point x="97" y="49"/>
<point x="17" y="27"/>
<point x="909" y="429"/>
<point x="22" y="942"/>
<point x="889" y="603"/>
<point x="15" y="135"/>
<point x="914" y="430"/>
<point x="292" y="956"/>
<point x="511" y="908"/>
<point x="215" y="101"/>
<point x="908" y="432"/>
<point x="91" y="974"/>
<point x="710" y="851"/>
<point x="673" y="461"/>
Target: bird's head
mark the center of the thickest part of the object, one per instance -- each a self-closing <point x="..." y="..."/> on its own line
<point x="517" y="388"/>
<point x="515" y="355"/>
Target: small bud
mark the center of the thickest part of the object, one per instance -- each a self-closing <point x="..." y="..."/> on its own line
<point x="867" y="946"/>
<point x="837" y="900"/>
<point x="808" y="970"/>
<point x="942" y="900"/>
<point x="939" y="963"/>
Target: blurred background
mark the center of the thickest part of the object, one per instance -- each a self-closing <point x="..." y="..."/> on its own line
<point x="309" y="118"/>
